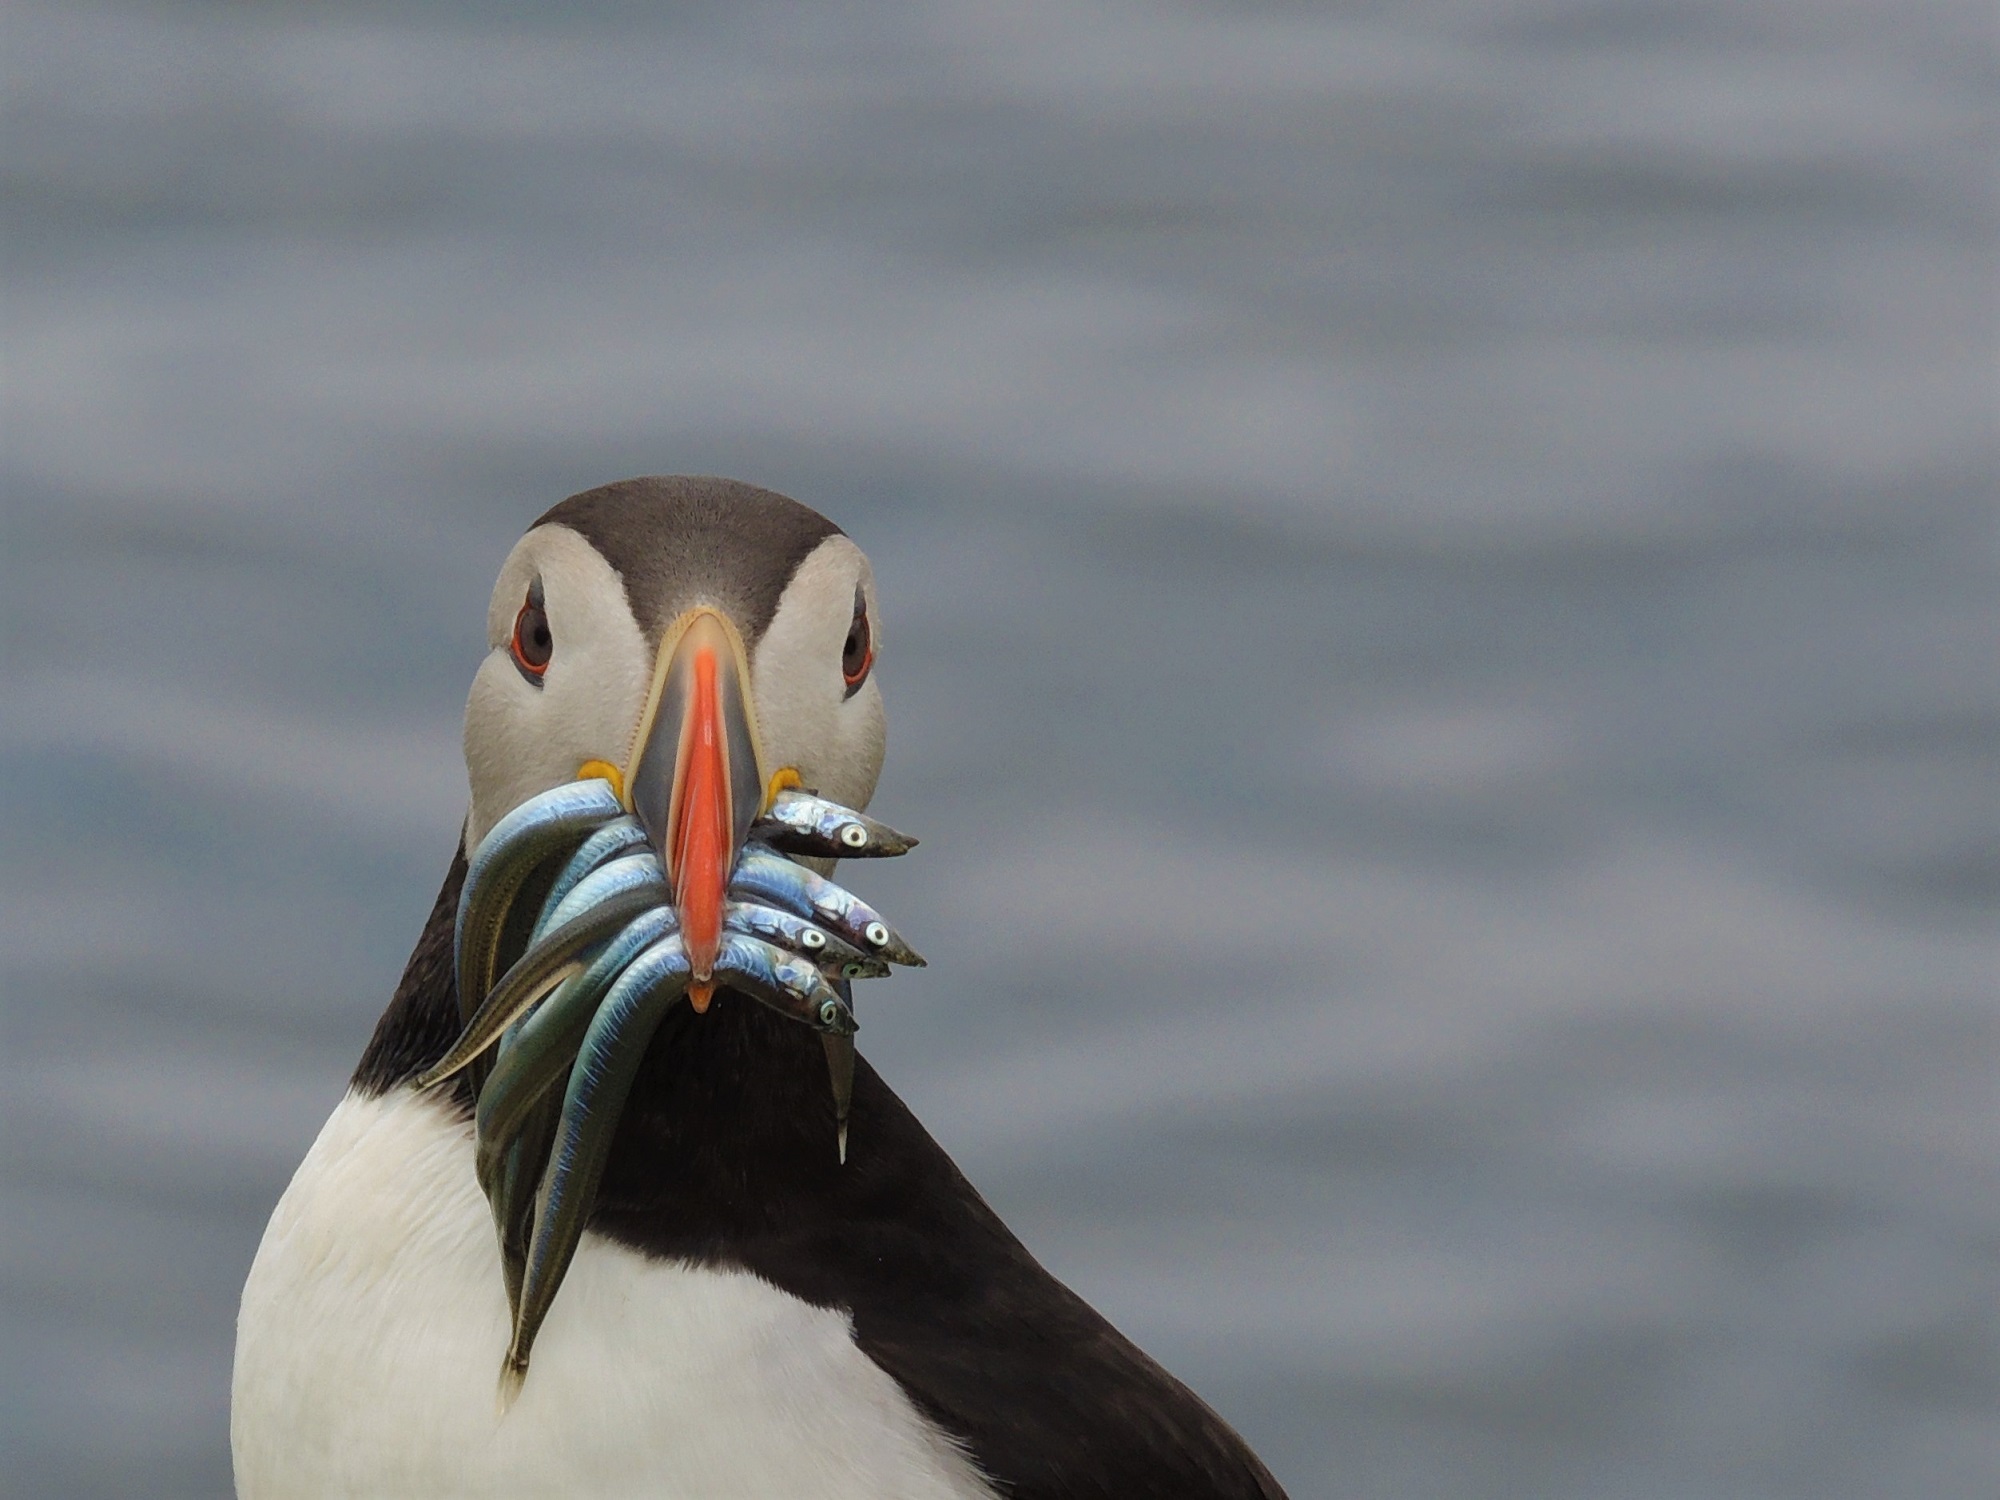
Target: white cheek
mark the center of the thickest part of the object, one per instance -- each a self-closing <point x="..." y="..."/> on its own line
<point x="507" y="759"/>
<point x="521" y="739"/>
<point x="805" y="718"/>
<point x="795" y="712"/>
<point x="852" y="770"/>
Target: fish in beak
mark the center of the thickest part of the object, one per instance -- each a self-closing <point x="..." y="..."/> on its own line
<point x="696" y="782"/>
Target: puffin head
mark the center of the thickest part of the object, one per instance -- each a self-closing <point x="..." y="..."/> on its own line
<point x="693" y="640"/>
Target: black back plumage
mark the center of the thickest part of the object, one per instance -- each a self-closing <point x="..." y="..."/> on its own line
<point x="725" y="1157"/>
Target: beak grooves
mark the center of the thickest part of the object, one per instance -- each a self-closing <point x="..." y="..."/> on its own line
<point x="699" y="860"/>
<point x="696" y="783"/>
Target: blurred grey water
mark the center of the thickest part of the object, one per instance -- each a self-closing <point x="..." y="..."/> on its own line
<point x="1439" y="574"/>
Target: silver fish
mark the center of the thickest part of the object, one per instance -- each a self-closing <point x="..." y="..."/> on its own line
<point x="620" y="836"/>
<point x="538" y="1050"/>
<point x="800" y="823"/>
<point x="602" y="964"/>
<point x="840" y="1073"/>
<point x="516" y="1182"/>
<point x="602" y="903"/>
<point x="512" y="849"/>
<point x="520" y="1105"/>
<point x="788" y="984"/>
<point x="834" y="955"/>
<point x="613" y="1047"/>
<point x="769" y="878"/>
<point x="628" y="872"/>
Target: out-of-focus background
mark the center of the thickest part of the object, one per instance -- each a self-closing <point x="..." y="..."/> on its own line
<point x="1439" y="569"/>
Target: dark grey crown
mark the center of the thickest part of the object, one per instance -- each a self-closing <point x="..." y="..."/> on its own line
<point x="679" y="540"/>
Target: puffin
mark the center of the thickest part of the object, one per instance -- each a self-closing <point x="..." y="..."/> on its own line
<point x="749" y="1313"/>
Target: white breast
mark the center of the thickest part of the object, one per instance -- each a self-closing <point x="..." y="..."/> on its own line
<point x="368" y="1354"/>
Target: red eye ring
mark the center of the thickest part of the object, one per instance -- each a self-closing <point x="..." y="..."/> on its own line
<point x="857" y="653"/>
<point x="532" y="645"/>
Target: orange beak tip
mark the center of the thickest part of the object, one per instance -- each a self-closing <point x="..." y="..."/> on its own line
<point x="699" y="995"/>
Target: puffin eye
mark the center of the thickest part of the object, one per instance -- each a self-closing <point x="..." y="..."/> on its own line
<point x="857" y="655"/>
<point x="532" y="644"/>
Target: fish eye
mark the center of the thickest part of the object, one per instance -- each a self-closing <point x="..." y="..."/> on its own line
<point x="854" y="835"/>
<point x="828" y="1012"/>
<point x="857" y="653"/>
<point x="812" y="938"/>
<point x="533" y="645"/>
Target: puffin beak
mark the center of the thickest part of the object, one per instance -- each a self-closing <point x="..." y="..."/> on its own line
<point x="696" y="782"/>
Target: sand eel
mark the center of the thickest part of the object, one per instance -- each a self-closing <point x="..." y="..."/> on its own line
<point x="744" y="1313"/>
